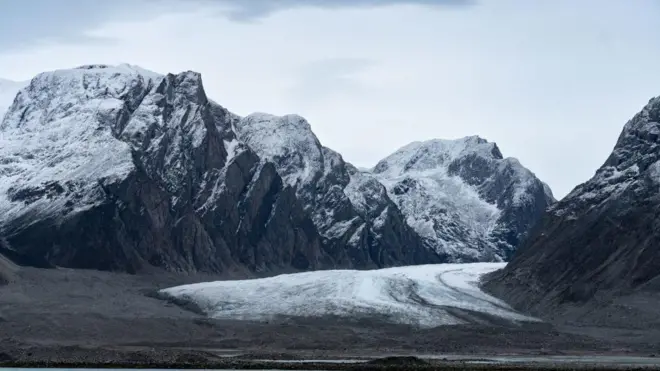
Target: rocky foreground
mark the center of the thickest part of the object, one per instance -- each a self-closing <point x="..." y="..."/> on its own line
<point x="86" y="318"/>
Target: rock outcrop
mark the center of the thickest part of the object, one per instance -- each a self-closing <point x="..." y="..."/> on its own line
<point x="603" y="239"/>
<point x="358" y="221"/>
<point x="117" y="168"/>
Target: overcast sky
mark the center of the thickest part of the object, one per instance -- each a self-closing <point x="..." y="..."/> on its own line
<point x="551" y="81"/>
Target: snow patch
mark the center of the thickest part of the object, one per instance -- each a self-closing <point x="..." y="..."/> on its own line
<point x="654" y="171"/>
<point x="232" y="148"/>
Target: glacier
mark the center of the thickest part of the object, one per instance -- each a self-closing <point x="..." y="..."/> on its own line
<point x="424" y="296"/>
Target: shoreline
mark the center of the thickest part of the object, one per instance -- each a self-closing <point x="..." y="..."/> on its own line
<point x="75" y="357"/>
<point x="314" y="366"/>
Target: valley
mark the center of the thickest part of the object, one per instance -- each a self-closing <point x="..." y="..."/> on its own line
<point x="138" y="215"/>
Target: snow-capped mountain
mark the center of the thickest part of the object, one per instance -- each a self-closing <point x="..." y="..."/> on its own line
<point x="118" y="167"/>
<point x="603" y="237"/>
<point x="121" y="168"/>
<point x="350" y="208"/>
<point x="426" y="296"/>
<point x="463" y="198"/>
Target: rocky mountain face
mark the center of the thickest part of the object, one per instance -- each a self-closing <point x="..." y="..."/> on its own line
<point x="603" y="239"/>
<point x="352" y="211"/>
<point x="463" y="198"/>
<point x="119" y="168"/>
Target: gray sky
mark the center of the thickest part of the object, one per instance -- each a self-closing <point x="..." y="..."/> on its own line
<point x="551" y="81"/>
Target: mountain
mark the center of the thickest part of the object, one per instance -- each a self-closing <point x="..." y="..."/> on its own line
<point x="8" y="90"/>
<point x="464" y="199"/>
<point x="425" y="296"/>
<point x="120" y="168"/>
<point x="351" y="209"/>
<point x="601" y="241"/>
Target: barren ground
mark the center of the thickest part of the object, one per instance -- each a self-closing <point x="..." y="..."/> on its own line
<point x="64" y="314"/>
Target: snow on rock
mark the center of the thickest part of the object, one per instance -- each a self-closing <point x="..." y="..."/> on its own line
<point x="417" y="295"/>
<point x="636" y="156"/>
<point x="53" y="146"/>
<point x="464" y="201"/>
<point x="288" y="140"/>
<point x="601" y="240"/>
<point x="8" y="90"/>
<point x="119" y="168"/>
<point x="460" y="194"/>
<point x="349" y="207"/>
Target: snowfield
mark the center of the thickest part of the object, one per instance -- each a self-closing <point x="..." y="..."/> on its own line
<point x="427" y="295"/>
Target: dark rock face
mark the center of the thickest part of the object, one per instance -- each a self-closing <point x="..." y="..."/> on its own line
<point x="603" y="239"/>
<point x="185" y="196"/>
<point x="119" y="168"/>
<point x="359" y="223"/>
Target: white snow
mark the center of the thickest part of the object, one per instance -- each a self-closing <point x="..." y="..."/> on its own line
<point x="449" y="212"/>
<point x="286" y="140"/>
<point x="56" y="131"/>
<point x="355" y="238"/>
<point x="636" y="147"/>
<point x="416" y="295"/>
<point x="431" y="154"/>
<point x="304" y="164"/>
<point x="608" y="183"/>
<point x="654" y="171"/>
<point x="365" y="192"/>
<point x="442" y="208"/>
<point x="233" y="148"/>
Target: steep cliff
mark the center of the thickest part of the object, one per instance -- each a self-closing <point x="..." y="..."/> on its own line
<point x="119" y="168"/>
<point x="351" y="209"/>
<point x="603" y="239"/>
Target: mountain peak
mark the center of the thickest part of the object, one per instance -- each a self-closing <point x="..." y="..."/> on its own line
<point x="116" y="68"/>
<point x="120" y="140"/>
<point x="436" y="182"/>
<point x="634" y="159"/>
<point x="285" y="138"/>
<point x="599" y="242"/>
<point x="436" y="153"/>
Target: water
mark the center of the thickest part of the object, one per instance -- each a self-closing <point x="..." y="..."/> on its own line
<point x="626" y="361"/>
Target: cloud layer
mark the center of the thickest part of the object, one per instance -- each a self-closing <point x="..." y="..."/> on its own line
<point x="254" y="9"/>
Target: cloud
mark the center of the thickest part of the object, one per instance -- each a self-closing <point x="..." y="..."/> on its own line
<point x="32" y="23"/>
<point x="250" y="10"/>
<point x="321" y="79"/>
<point x="373" y="78"/>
